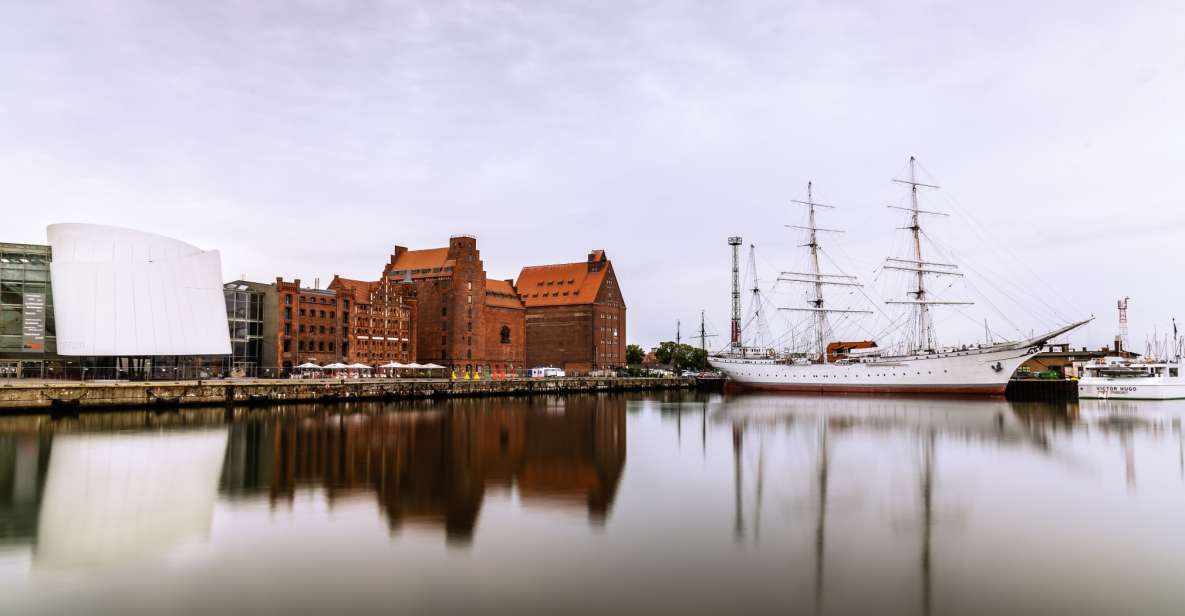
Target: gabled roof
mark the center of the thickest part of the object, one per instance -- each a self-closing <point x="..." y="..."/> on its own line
<point x="501" y="293"/>
<point x="562" y="284"/>
<point x="423" y="259"/>
<point x="357" y="290"/>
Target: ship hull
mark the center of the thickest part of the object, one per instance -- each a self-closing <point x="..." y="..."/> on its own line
<point x="977" y="372"/>
<point x="1152" y="388"/>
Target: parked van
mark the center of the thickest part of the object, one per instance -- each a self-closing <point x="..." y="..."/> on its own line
<point x="546" y="372"/>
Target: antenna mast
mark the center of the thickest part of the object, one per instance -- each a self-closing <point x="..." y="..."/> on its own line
<point x="1121" y="339"/>
<point x="735" y="342"/>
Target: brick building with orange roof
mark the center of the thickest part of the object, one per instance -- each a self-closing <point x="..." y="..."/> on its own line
<point x="575" y="315"/>
<point x="466" y="320"/>
<point x="378" y="320"/>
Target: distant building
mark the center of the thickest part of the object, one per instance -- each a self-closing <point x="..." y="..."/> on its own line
<point x="245" y="302"/>
<point x="307" y="325"/>
<point x="575" y="315"/>
<point x="378" y="320"/>
<point x="27" y="331"/>
<point x="466" y="321"/>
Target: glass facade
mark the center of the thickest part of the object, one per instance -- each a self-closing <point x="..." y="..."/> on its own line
<point x="26" y="302"/>
<point x="244" y="317"/>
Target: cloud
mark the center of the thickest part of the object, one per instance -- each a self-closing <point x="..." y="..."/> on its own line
<point x="304" y="139"/>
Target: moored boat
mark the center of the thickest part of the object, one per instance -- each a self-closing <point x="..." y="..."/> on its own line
<point x="919" y="366"/>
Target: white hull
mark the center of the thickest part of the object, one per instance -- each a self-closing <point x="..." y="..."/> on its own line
<point x="975" y="372"/>
<point x="1148" y="388"/>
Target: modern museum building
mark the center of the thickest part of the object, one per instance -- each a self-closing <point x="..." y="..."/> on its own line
<point x="109" y="302"/>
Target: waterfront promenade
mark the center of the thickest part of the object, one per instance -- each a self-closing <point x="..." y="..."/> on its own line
<point x="34" y="395"/>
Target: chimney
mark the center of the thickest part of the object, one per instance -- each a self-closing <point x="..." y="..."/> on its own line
<point x="317" y="283"/>
<point x="595" y="258"/>
<point x="397" y="252"/>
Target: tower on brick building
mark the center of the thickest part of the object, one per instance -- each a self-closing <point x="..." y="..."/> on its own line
<point x="466" y="321"/>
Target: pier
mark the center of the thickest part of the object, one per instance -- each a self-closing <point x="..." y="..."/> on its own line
<point x="18" y="396"/>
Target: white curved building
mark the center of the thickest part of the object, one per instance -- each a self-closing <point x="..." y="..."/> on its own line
<point x="121" y="292"/>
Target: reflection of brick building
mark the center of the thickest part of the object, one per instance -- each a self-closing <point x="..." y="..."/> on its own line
<point x="378" y="320"/>
<point x="575" y="315"/>
<point x="433" y="465"/>
<point x="466" y="321"/>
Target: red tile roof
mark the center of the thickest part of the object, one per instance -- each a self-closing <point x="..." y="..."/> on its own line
<point x="501" y="293"/>
<point x="423" y="259"/>
<point x="562" y="284"/>
<point x="357" y="290"/>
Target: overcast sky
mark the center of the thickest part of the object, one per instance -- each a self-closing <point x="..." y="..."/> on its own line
<point x="304" y="139"/>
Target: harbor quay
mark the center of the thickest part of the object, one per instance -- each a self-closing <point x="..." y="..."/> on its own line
<point x="28" y="395"/>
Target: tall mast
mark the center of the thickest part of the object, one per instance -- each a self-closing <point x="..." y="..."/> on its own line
<point x="921" y="309"/>
<point x="924" y="326"/>
<point x="820" y="316"/>
<point x="815" y="277"/>
<point x="758" y="319"/>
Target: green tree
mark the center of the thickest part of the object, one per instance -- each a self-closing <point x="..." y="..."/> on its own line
<point x="681" y="356"/>
<point x="634" y="354"/>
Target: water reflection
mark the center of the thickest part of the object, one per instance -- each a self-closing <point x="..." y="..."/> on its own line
<point x="750" y="503"/>
<point x="433" y="464"/>
<point x="116" y="486"/>
<point x="927" y="426"/>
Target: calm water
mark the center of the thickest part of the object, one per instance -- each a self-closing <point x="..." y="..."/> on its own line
<point x="678" y="503"/>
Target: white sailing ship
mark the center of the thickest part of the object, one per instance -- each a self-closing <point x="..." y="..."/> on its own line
<point x="922" y="367"/>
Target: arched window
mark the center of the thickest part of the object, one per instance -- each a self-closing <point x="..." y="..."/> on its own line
<point x="505" y="333"/>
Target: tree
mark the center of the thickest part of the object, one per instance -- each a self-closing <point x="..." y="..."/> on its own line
<point x="682" y="356"/>
<point x="634" y="354"/>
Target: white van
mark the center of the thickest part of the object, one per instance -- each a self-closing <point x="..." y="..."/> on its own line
<point x="546" y="372"/>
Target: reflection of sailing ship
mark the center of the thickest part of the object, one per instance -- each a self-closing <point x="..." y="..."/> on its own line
<point x="829" y="418"/>
<point x="433" y="466"/>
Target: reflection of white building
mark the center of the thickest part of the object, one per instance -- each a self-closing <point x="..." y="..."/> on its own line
<point x="120" y="292"/>
<point x="116" y="497"/>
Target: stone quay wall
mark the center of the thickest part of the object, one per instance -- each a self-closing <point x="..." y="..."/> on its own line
<point x="18" y="396"/>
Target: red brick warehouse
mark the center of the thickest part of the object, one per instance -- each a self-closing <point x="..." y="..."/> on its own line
<point x="575" y="315"/>
<point x="466" y="321"/>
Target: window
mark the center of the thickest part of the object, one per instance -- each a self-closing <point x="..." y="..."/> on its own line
<point x="321" y="346"/>
<point x="10" y="293"/>
<point x="301" y="312"/>
<point x="287" y="329"/>
<point x="444" y="311"/>
<point x="287" y="346"/>
<point x="1172" y="372"/>
<point x="288" y="300"/>
<point x="322" y="314"/>
<point x="10" y="321"/>
<point x="444" y="340"/>
<point x="322" y="329"/>
<point x="301" y="330"/>
<point x="331" y="329"/>
<point x="332" y="315"/>
<point x="300" y="345"/>
<point x="330" y="347"/>
<point x="505" y="334"/>
<point x="288" y="314"/>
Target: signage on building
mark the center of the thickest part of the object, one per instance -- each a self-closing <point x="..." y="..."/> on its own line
<point x="33" y="325"/>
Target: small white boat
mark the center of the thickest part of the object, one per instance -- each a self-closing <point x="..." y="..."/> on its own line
<point x="1120" y="378"/>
